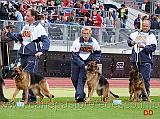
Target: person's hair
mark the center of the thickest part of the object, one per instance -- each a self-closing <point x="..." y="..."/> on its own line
<point x="147" y="21"/>
<point x="122" y="5"/>
<point x="86" y="28"/>
<point x="11" y="26"/>
<point x="34" y="13"/>
<point x="143" y="18"/>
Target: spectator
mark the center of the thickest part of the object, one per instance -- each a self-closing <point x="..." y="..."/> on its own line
<point x="114" y="15"/>
<point x="87" y="5"/>
<point x="44" y="7"/>
<point x="60" y="7"/>
<point x="26" y="4"/>
<point x="138" y="22"/>
<point x="145" y="17"/>
<point x="49" y="7"/>
<point x="72" y="17"/>
<point x="85" y="21"/>
<point x="21" y="10"/>
<point x="4" y="12"/>
<point x="19" y="18"/>
<point x="7" y="44"/>
<point x="154" y="23"/>
<point x="95" y="19"/>
<point x="109" y="27"/>
<point x="148" y="7"/>
<point x="123" y="15"/>
<point x="157" y="10"/>
<point x="58" y="20"/>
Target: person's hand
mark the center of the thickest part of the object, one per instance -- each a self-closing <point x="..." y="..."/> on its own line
<point x="10" y="13"/>
<point x="141" y="45"/>
<point x="95" y="22"/>
<point x="38" y="54"/>
<point x="85" y="67"/>
<point x="132" y="43"/>
<point x="5" y="31"/>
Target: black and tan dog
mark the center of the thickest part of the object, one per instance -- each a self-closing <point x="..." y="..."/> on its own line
<point x="25" y="80"/>
<point x="136" y="85"/>
<point x="2" y="98"/>
<point x="98" y="82"/>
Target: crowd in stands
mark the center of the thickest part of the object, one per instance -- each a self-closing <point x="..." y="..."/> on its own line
<point x="51" y="10"/>
<point x="149" y="5"/>
<point x="89" y="13"/>
<point x="155" y="23"/>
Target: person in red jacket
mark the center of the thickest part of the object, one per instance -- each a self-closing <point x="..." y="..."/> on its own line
<point x="96" y="20"/>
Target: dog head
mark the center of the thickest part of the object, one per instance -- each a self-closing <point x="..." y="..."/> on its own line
<point x="92" y="66"/>
<point x="133" y="74"/>
<point x="17" y="70"/>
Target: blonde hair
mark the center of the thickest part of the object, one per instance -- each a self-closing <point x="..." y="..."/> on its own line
<point x="86" y="28"/>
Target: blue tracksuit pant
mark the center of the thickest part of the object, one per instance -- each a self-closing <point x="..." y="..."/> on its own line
<point x="78" y="79"/>
<point x="29" y="63"/>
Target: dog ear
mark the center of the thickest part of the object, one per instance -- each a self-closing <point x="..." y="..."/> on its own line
<point x="131" y="68"/>
<point x="20" y="66"/>
<point x="96" y="61"/>
<point x="136" y="71"/>
<point x="15" y="65"/>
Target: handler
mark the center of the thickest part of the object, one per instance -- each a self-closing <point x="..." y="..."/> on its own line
<point x="30" y="51"/>
<point x="84" y="49"/>
<point x="144" y="44"/>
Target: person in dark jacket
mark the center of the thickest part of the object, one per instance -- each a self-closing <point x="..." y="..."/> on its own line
<point x="4" y="12"/>
<point x="148" y="7"/>
<point x="144" y="43"/>
<point x="31" y="50"/>
<point x="84" y="49"/>
<point x="138" y="22"/>
<point x="123" y="15"/>
<point x="154" y="23"/>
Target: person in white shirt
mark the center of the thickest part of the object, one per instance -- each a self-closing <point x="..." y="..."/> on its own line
<point x="109" y="27"/>
<point x="84" y="49"/>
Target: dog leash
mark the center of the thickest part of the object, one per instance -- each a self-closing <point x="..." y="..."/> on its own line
<point x="29" y="63"/>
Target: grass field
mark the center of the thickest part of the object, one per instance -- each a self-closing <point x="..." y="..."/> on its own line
<point x="64" y="108"/>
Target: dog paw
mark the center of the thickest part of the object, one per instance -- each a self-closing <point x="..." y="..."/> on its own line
<point x="39" y="102"/>
<point x="106" y="101"/>
<point x="11" y="101"/>
<point x="51" y="103"/>
<point x="25" y="102"/>
<point x="87" y="101"/>
<point x="129" y="100"/>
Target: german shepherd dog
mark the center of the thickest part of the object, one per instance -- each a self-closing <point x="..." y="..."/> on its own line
<point x="98" y="82"/>
<point x="136" y="85"/>
<point x="25" y="80"/>
<point x="2" y="98"/>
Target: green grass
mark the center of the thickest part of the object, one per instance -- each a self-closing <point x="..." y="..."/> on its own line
<point x="64" y="108"/>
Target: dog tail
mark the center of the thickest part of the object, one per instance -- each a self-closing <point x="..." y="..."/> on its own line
<point x="113" y="95"/>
